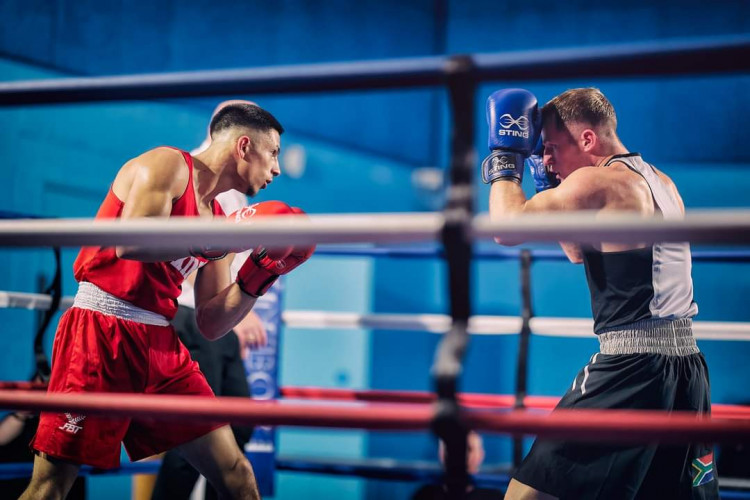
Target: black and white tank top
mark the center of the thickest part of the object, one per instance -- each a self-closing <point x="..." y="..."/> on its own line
<point x="645" y="283"/>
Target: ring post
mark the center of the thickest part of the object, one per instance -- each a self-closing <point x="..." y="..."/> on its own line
<point x="447" y="424"/>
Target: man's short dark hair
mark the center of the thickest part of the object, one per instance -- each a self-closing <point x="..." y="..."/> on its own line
<point x="584" y="105"/>
<point x="244" y="115"/>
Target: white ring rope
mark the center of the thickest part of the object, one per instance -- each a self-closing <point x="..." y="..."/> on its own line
<point x="187" y="232"/>
<point x="433" y="323"/>
<point x="36" y="301"/>
<point x="717" y="226"/>
<point x="488" y="325"/>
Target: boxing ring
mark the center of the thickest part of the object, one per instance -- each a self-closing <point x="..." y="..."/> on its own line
<point x="446" y="412"/>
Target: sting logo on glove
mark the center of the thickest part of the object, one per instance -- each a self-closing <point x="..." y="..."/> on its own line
<point x="522" y="123"/>
<point x="514" y="122"/>
<point x="497" y="162"/>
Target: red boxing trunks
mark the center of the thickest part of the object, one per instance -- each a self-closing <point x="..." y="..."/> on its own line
<point x="97" y="352"/>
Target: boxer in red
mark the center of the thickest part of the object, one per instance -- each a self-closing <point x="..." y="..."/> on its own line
<point x="117" y="336"/>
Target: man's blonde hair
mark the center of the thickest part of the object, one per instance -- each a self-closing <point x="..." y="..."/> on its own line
<point x="583" y="105"/>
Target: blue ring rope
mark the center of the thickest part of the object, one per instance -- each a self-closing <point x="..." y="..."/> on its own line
<point x="737" y="256"/>
<point x="366" y="468"/>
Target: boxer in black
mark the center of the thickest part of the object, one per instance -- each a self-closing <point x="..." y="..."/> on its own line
<point x="641" y="296"/>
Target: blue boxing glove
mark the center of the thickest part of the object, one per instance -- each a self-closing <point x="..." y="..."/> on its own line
<point x="543" y="178"/>
<point x="515" y="123"/>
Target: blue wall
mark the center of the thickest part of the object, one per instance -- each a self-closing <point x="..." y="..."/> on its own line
<point x="362" y="151"/>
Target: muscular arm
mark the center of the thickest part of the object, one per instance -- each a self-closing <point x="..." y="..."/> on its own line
<point x="219" y="302"/>
<point x="580" y="191"/>
<point x="148" y="185"/>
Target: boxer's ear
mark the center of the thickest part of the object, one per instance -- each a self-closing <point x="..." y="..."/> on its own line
<point x="588" y="140"/>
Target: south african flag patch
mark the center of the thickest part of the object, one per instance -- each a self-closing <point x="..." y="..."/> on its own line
<point x="703" y="469"/>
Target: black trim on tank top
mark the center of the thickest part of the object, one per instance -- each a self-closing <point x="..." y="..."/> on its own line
<point x="621" y="155"/>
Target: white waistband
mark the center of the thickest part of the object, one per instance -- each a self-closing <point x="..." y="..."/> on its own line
<point x="93" y="298"/>
<point x="657" y="336"/>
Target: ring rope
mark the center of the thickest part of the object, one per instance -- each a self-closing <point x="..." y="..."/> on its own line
<point x="663" y="57"/>
<point x="497" y="253"/>
<point x="388" y="469"/>
<point x="487" y="325"/>
<point x="373" y="468"/>
<point x="433" y="323"/>
<point x="469" y="400"/>
<point x="715" y="226"/>
<point x="584" y="425"/>
<point x="708" y="226"/>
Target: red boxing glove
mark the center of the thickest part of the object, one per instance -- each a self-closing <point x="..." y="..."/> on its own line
<point x="209" y="253"/>
<point x="264" y="266"/>
<point x="262" y="209"/>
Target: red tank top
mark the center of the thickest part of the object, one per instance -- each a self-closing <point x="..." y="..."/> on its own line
<point x="153" y="286"/>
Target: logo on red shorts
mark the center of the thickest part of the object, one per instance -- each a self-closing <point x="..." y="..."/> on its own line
<point x="71" y="425"/>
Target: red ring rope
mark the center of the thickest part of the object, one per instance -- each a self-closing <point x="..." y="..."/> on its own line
<point x="599" y="425"/>
<point x="469" y="400"/>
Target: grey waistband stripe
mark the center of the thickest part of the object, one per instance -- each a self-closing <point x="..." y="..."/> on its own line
<point x="93" y="298"/>
<point x="656" y="336"/>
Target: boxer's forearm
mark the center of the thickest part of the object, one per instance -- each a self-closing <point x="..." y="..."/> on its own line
<point x="218" y="315"/>
<point x="506" y="199"/>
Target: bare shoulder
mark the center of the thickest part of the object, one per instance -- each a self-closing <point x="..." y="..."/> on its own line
<point x="161" y="169"/>
<point x="163" y="165"/>
<point x="585" y="188"/>
<point x="585" y="175"/>
<point x="627" y="190"/>
<point x="612" y="188"/>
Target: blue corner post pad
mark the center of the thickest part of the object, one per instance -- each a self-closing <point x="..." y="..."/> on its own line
<point x="261" y="368"/>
